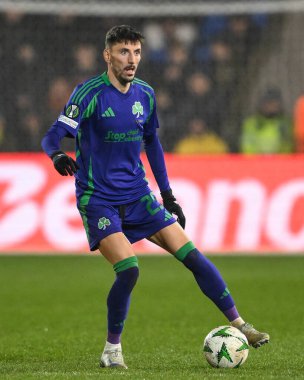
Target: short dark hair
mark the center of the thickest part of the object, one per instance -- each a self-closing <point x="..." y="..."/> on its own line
<point x="122" y="33"/>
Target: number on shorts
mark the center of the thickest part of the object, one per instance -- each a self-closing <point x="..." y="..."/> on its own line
<point x="149" y="199"/>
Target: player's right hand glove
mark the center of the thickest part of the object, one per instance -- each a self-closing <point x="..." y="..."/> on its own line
<point x="64" y="164"/>
<point x="172" y="206"/>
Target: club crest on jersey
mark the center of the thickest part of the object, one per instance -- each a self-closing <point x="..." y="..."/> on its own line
<point x="72" y="111"/>
<point x="137" y="109"/>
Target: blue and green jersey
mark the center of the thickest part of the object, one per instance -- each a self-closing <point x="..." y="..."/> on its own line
<point x="109" y="127"/>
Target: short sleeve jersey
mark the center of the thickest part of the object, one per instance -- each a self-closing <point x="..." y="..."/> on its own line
<point x="109" y="127"/>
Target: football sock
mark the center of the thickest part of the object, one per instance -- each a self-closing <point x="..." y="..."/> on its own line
<point x="113" y="338"/>
<point x="118" y="300"/>
<point x="233" y="315"/>
<point x="208" y="279"/>
<point x="237" y="322"/>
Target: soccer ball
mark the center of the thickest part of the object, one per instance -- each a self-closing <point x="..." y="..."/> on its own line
<point x="226" y="347"/>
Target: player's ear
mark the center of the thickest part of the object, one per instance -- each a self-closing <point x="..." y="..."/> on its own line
<point x="106" y="55"/>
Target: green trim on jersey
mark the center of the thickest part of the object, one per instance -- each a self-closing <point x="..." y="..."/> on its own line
<point x="124" y="264"/>
<point x="86" y="88"/>
<point x="83" y="88"/>
<point x="144" y="170"/>
<point x="139" y="81"/>
<point x="184" y="250"/>
<point x="105" y="78"/>
<point x="97" y="84"/>
<point x="79" y="142"/>
<point x="85" y="223"/>
<point x="91" y="107"/>
<point x="151" y="102"/>
<point x="85" y="198"/>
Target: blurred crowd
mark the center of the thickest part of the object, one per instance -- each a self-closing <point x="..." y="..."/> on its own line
<point x="194" y="67"/>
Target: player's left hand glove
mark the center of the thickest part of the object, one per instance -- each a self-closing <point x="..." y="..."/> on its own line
<point x="64" y="164"/>
<point x="172" y="206"/>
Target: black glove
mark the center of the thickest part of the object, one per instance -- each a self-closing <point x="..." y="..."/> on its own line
<point x="64" y="164"/>
<point x="172" y="206"/>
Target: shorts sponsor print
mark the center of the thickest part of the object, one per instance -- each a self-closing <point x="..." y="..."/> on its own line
<point x="137" y="220"/>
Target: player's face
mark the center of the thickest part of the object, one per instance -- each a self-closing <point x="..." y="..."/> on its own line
<point x="123" y="59"/>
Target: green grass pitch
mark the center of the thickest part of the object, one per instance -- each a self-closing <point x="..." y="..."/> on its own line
<point x="53" y="318"/>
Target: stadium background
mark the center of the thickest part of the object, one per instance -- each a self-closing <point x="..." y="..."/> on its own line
<point x="53" y="306"/>
<point x="211" y="60"/>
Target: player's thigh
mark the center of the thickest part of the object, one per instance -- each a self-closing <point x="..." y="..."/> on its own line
<point x="170" y="238"/>
<point x="116" y="247"/>
<point x="103" y="226"/>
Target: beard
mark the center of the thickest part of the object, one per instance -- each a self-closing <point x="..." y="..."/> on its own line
<point x="124" y="80"/>
<point x="121" y="75"/>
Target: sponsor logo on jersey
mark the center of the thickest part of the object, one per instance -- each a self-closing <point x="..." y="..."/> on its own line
<point x="137" y="109"/>
<point x="131" y="135"/>
<point x="108" y="113"/>
<point x="72" y="111"/>
<point x="103" y="223"/>
<point x="69" y="122"/>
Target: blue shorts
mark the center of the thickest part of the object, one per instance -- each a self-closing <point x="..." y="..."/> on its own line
<point x="137" y="220"/>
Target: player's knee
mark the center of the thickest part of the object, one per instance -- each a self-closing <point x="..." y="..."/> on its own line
<point x="127" y="271"/>
<point x="129" y="276"/>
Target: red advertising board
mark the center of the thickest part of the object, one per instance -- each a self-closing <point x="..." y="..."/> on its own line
<point x="232" y="204"/>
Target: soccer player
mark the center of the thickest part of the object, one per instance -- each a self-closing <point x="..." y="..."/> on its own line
<point x="110" y="116"/>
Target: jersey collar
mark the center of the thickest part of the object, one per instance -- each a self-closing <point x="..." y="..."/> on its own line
<point x="106" y="80"/>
